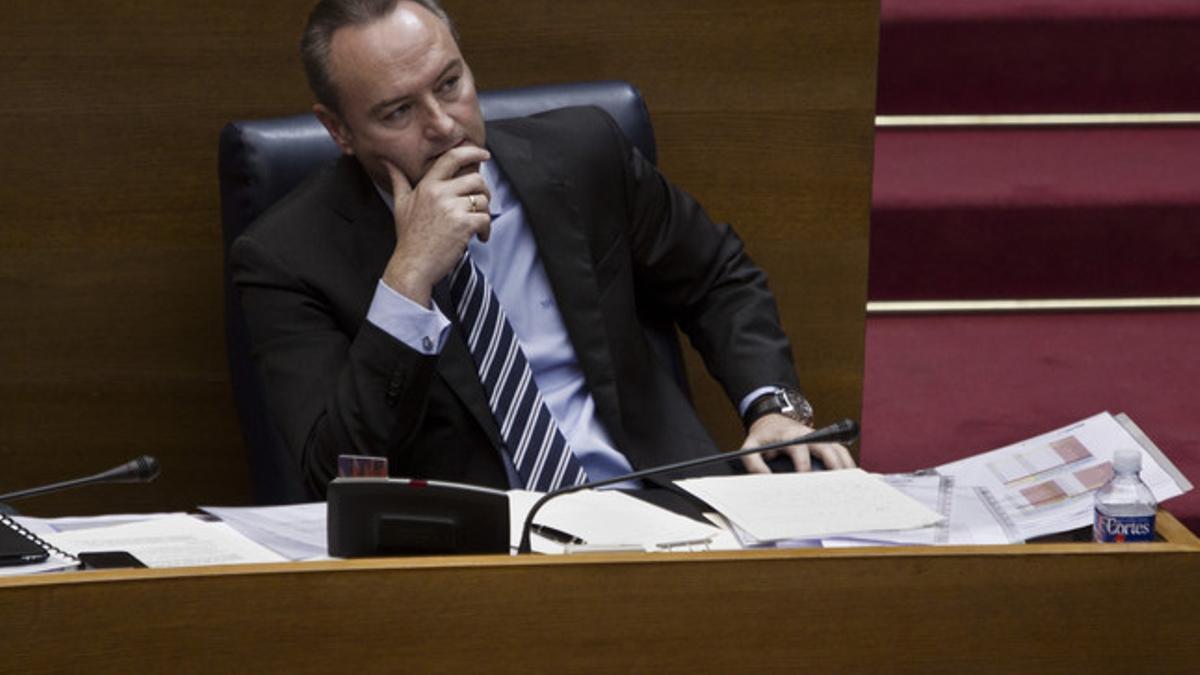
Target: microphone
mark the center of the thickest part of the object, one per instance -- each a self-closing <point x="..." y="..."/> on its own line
<point x="141" y="470"/>
<point x="845" y="431"/>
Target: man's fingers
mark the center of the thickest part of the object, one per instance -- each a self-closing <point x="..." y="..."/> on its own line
<point x="481" y="225"/>
<point x="477" y="202"/>
<point x="468" y="184"/>
<point x="454" y="160"/>
<point x="834" y="456"/>
<point x="847" y="458"/>
<point x="800" y="457"/>
<point x="777" y="428"/>
<point x="755" y="463"/>
<point x="400" y="185"/>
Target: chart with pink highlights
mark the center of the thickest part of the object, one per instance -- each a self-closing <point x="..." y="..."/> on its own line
<point x="1067" y="485"/>
<point x="1029" y="464"/>
<point x="1027" y="471"/>
<point x="1044" y="484"/>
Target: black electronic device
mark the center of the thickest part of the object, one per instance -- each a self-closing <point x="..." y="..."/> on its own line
<point x="108" y="560"/>
<point x="399" y="516"/>
<point x="19" y="546"/>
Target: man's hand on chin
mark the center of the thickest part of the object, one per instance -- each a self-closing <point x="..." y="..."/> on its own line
<point x="435" y="219"/>
<point x="775" y="428"/>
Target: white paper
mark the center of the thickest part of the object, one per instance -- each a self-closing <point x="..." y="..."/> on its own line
<point x="968" y="519"/>
<point x="295" y="531"/>
<point x="169" y="541"/>
<point x="809" y="505"/>
<point x="726" y="540"/>
<point x="43" y="526"/>
<point x="607" y="518"/>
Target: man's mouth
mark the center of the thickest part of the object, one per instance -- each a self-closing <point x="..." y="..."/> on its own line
<point x="448" y="148"/>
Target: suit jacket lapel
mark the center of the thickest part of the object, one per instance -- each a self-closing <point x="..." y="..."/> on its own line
<point x="563" y="248"/>
<point x="369" y="236"/>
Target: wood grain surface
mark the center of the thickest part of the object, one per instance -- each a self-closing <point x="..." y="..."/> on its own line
<point x="1037" y="608"/>
<point x="111" y="338"/>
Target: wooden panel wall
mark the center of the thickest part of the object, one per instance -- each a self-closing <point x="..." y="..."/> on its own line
<point x="111" y="340"/>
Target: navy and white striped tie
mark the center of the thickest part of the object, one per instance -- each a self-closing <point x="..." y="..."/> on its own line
<point x="532" y="438"/>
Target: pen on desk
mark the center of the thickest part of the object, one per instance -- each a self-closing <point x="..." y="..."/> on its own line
<point x="555" y="535"/>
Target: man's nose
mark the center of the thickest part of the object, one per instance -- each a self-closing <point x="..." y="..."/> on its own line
<point x="438" y="123"/>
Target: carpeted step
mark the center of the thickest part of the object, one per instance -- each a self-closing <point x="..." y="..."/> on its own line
<point x="1038" y="56"/>
<point x="1015" y="212"/>
<point x="940" y="388"/>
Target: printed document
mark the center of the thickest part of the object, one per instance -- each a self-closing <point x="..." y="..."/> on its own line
<point x="168" y="541"/>
<point x="1046" y="484"/>
<point x="784" y="506"/>
<point x="607" y="518"/>
<point x="967" y="516"/>
<point x="294" y="531"/>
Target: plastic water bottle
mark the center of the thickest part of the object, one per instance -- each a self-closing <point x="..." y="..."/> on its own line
<point x="1125" y="507"/>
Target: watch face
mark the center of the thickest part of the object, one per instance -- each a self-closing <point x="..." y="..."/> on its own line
<point x="786" y="402"/>
<point x="796" y="406"/>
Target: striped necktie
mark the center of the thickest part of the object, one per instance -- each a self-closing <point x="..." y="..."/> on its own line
<point x="538" y="450"/>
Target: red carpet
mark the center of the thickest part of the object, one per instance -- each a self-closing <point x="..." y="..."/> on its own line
<point x="1036" y="213"/>
<point x="1038" y="56"/>
<point x="939" y="388"/>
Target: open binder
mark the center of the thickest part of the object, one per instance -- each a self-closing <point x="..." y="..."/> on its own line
<point x="19" y="546"/>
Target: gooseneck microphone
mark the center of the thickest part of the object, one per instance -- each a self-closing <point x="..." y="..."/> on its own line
<point x="840" y="432"/>
<point x="141" y="470"/>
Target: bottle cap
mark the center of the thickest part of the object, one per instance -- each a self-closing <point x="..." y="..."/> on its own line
<point x="1127" y="460"/>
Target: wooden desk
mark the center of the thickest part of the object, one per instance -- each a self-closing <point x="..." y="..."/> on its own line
<point x="1024" y="609"/>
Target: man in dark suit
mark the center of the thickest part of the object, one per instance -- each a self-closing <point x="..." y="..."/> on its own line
<point x="346" y="290"/>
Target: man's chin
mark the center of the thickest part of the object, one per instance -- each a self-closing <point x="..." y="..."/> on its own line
<point x="380" y="176"/>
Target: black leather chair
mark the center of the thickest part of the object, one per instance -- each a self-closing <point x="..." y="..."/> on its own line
<point x="262" y="160"/>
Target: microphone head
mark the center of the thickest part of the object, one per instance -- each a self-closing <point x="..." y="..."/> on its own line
<point x="141" y="470"/>
<point x="145" y="468"/>
<point x="847" y="430"/>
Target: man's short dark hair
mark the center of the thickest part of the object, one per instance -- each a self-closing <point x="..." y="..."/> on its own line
<point x="325" y="20"/>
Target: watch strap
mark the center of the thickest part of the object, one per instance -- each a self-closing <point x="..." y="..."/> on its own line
<point x="787" y="402"/>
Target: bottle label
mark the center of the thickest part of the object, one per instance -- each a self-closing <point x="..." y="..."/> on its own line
<point x="1123" y="528"/>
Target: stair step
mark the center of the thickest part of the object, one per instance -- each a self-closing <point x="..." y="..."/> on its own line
<point x="1067" y="212"/>
<point x="1038" y="56"/>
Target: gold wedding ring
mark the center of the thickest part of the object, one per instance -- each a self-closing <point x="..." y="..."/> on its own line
<point x="471" y="199"/>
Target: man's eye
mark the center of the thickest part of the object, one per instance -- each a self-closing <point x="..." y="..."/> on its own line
<point x="450" y="83"/>
<point x="398" y="112"/>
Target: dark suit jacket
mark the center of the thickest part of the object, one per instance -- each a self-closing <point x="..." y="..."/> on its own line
<point x="614" y="236"/>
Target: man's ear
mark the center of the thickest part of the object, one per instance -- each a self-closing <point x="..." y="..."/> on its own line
<point x="335" y="126"/>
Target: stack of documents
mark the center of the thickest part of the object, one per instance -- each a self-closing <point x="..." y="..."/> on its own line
<point x="966" y="511"/>
<point x="769" y="509"/>
<point x="1046" y="484"/>
<point x="158" y="540"/>
<point x="294" y="531"/>
<point x="605" y="520"/>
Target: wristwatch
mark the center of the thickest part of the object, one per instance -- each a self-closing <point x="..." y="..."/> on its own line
<point x="786" y="402"/>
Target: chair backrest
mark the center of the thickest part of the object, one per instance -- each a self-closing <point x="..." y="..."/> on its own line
<point x="262" y="160"/>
